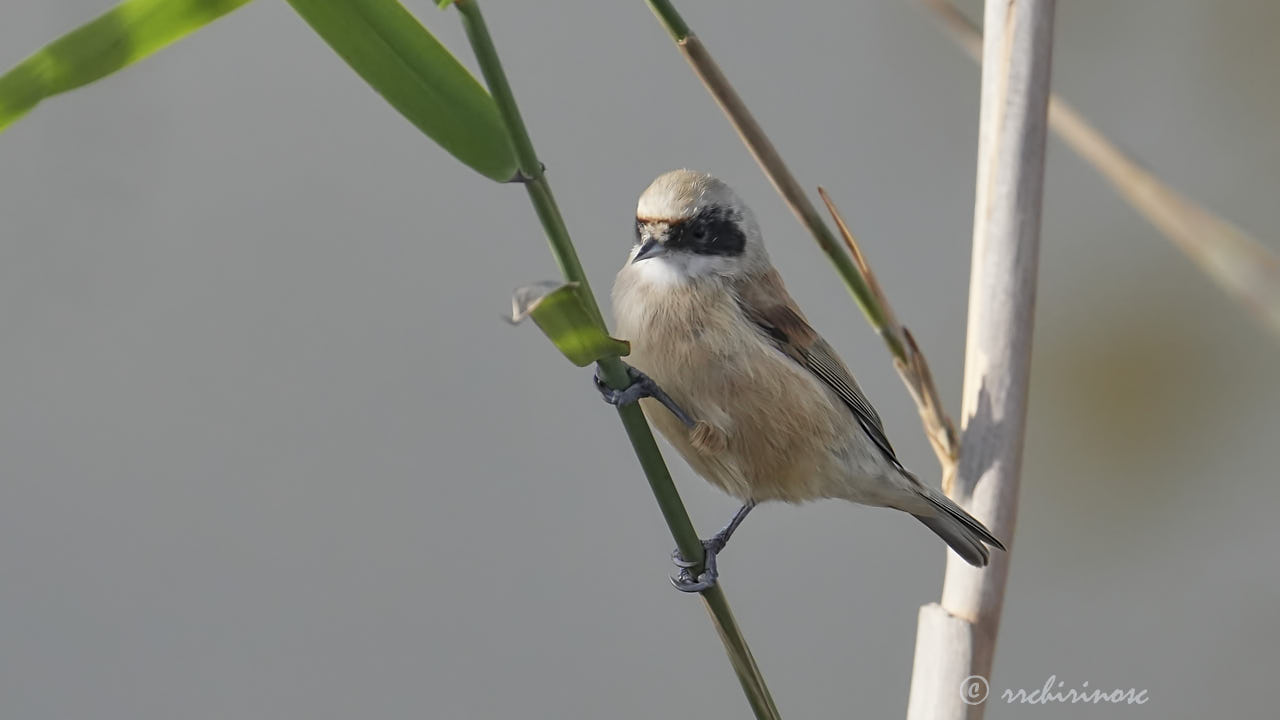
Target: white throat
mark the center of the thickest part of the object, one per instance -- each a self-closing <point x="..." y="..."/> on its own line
<point x="679" y="268"/>
<point x="658" y="272"/>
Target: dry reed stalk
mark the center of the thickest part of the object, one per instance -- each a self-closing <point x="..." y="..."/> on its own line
<point x="956" y="638"/>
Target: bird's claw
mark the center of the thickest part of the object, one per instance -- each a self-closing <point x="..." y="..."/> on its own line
<point x="711" y="549"/>
<point x="684" y="581"/>
<point x="642" y="386"/>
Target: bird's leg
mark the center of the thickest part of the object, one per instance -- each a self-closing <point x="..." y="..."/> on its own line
<point x="642" y="386"/>
<point x="685" y="582"/>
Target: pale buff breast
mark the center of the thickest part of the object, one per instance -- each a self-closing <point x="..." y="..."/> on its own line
<point x="768" y="430"/>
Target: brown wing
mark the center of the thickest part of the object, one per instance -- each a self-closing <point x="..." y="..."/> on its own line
<point x="767" y="304"/>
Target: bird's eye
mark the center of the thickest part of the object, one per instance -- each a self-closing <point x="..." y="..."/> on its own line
<point x="698" y="233"/>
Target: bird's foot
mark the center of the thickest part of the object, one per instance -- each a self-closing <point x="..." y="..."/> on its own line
<point x="684" y="581"/>
<point x="642" y="386"/>
<point x="711" y="549"/>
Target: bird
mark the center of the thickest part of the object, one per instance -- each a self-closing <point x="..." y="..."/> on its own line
<point x="726" y="367"/>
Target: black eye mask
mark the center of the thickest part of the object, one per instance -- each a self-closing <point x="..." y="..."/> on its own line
<point x="714" y="231"/>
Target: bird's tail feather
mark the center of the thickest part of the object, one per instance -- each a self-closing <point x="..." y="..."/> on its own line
<point x="968" y="537"/>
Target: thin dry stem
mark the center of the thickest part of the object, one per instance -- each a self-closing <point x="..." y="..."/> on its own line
<point x="912" y="367"/>
<point x="1243" y="267"/>
<point x="758" y="143"/>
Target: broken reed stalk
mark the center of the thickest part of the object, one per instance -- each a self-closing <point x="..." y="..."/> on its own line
<point x="1243" y="267"/>
<point x="955" y="640"/>
<point x="612" y="371"/>
<point x="850" y="264"/>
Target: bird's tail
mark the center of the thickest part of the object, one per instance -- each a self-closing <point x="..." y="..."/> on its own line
<point x="968" y="537"/>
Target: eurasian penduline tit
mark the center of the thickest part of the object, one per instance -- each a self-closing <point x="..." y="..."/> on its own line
<point x="761" y="406"/>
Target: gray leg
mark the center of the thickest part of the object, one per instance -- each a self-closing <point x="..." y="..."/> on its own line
<point x="685" y="582"/>
<point x="642" y="386"/>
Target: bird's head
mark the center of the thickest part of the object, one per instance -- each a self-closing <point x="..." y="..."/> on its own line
<point x="690" y="225"/>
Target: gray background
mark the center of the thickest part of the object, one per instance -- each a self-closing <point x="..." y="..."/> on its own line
<point x="268" y="450"/>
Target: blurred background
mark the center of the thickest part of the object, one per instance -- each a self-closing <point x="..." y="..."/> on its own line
<point x="269" y="450"/>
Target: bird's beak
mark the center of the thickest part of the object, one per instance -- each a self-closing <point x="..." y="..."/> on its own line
<point x="652" y="248"/>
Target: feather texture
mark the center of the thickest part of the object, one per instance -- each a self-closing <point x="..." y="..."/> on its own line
<point x="765" y="302"/>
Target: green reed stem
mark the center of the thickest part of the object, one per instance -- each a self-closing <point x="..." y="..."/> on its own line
<point x="612" y="370"/>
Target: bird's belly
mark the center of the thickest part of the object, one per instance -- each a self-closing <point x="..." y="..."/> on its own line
<point x="767" y="429"/>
